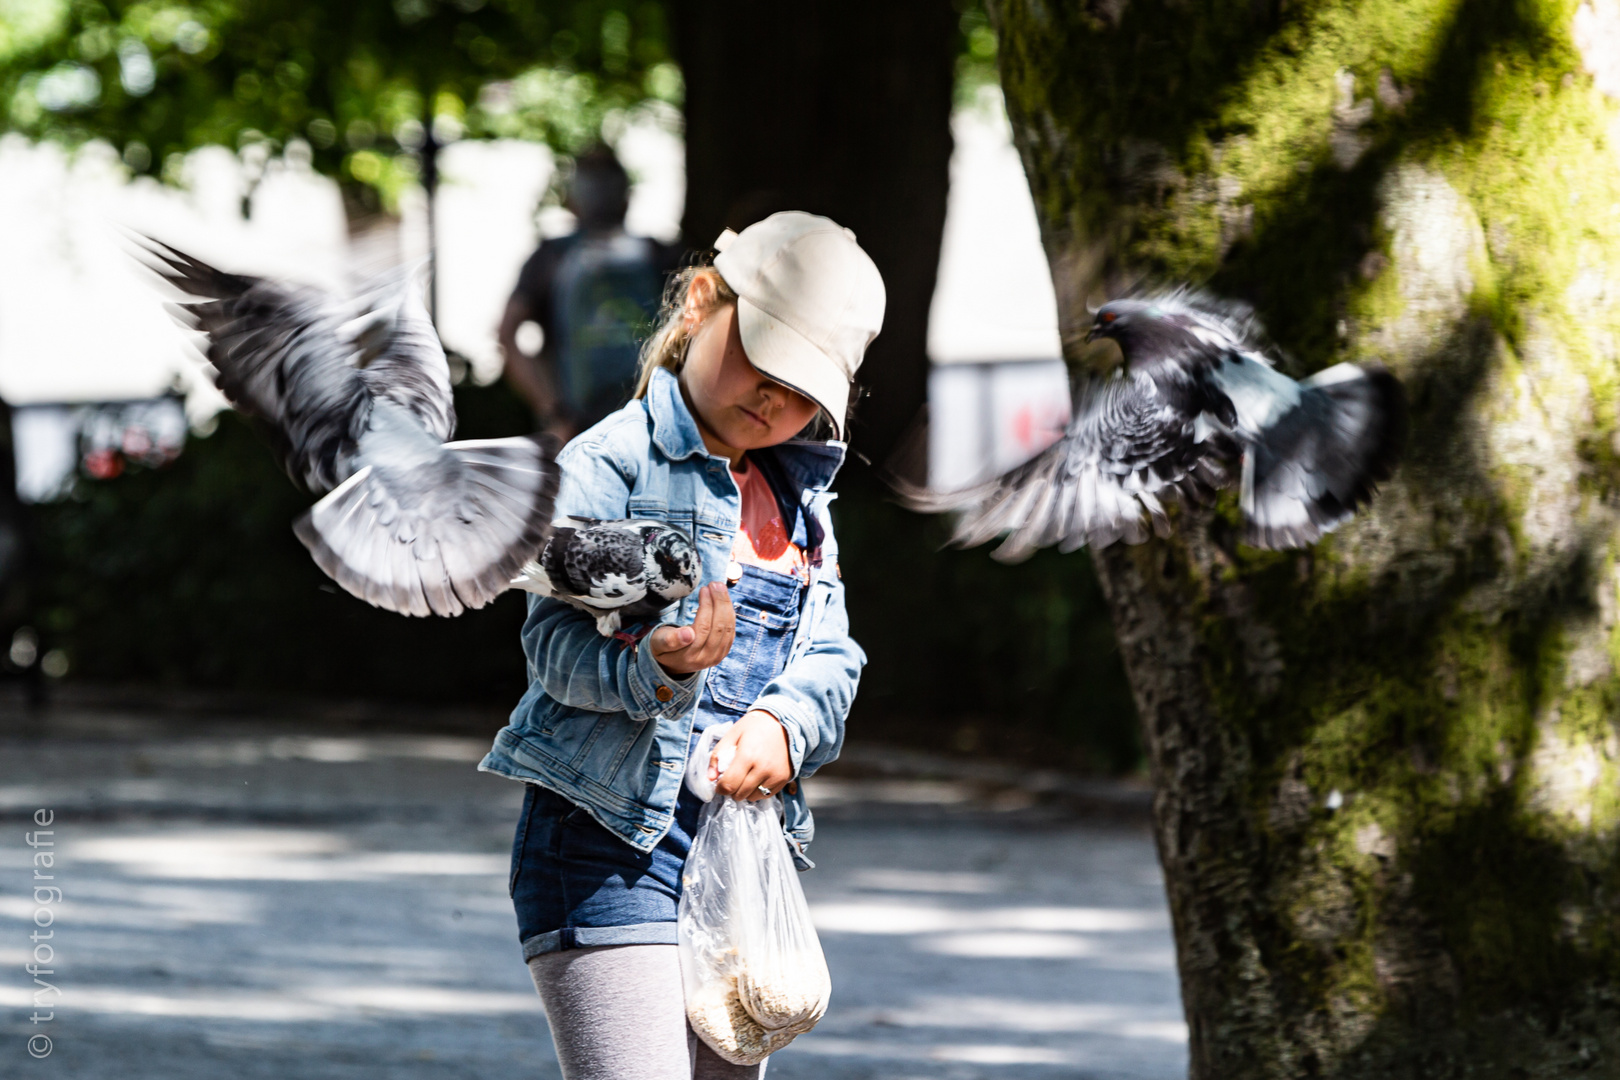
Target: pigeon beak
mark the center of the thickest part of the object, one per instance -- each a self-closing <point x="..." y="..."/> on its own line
<point x="1091" y="335"/>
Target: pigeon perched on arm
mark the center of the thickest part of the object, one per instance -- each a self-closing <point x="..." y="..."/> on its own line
<point x="355" y="396"/>
<point x="1196" y="396"/>
<point x="618" y="572"/>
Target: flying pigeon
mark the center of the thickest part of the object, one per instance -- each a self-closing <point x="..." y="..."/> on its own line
<point x="355" y="396"/>
<point x="1196" y="394"/>
<point x="618" y="572"/>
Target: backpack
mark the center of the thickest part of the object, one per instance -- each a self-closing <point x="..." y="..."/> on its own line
<point x="606" y="295"/>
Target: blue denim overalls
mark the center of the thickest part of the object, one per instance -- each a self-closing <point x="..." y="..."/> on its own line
<point x="574" y="884"/>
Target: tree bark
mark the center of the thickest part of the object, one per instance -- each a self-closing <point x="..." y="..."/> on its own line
<point x="815" y="106"/>
<point x="1386" y="766"/>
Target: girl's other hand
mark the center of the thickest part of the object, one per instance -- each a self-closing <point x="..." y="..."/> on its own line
<point x="681" y="650"/>
<point x="761" y="758"/>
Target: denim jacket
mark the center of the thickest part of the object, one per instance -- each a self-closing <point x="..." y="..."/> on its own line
<point x="604" y="725"/>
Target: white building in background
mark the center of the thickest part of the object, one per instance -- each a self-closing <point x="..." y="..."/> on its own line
<point x="81" y="321"/>
<point x="998" y="391"/>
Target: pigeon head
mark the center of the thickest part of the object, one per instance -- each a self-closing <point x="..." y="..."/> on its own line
<point x="671" y="562"/>
<point x="1125" y="320"/>
<point x="1171" y="324"/>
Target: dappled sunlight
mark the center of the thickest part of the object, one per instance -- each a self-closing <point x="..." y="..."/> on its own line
<point x="1014" y="1014"/>
<point x="923" y="881"/>
<point x="391" y="939"/>
<point x="1063" y="957"/>
<point x="274" y="855"/>
<point x="17" y="797"/>
<point x="828" y="791"/>
<point x="141" y="907"/>
<point x="966" y="1053"/>
<point x="327" y="749"/>
<point x="899" y="917"/>
<point x="969" y="1053"/>
<point x="1102" y="952"/>
<point x="291" y="1005"/>
<point x="274" y="959"/>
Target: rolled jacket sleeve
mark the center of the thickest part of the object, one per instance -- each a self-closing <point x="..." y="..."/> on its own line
<point x="813" y="694"/>
<point x="578" y="667"/>
<point x="574" y="664"/>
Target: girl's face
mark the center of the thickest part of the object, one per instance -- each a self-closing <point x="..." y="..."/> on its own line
<point x="737" y="408"/>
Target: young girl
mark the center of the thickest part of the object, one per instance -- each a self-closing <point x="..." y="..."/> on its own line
<point x="752" y="351"/>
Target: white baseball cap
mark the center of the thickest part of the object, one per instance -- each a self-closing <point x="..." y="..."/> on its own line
<point x="809" y="302"/>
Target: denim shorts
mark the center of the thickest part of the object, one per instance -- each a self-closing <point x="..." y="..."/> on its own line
<point x="574" y="884"/>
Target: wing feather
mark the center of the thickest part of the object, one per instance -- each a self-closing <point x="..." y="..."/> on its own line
<point x="279" y="358"/>
<point x="401" y="357"/>
<point x="458" y="528"/>
<point x="1128" y="449"/>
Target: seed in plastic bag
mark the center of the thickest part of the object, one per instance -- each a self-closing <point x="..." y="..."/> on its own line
<point x="786" y="993"/>
<point x="717" y="1015"/>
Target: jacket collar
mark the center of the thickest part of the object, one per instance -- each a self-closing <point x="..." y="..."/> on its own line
<point x="674" y="430"/>
<point x="809" y="466"/>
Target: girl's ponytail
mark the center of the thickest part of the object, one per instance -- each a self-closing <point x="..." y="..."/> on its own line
<point x="666" y="348"/>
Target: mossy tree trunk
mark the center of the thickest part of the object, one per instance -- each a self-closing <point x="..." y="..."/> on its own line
<point x="1386" y="767"/>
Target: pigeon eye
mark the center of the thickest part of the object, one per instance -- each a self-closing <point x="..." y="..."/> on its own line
<point x="1108" y="316"/>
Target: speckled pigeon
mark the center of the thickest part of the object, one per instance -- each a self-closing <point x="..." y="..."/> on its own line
<point x="1196" y="394"/>
<point x="355" y="396"/>
<point x="618" y="572"/>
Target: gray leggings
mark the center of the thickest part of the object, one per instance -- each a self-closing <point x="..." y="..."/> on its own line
<point x="618" y="1012"/>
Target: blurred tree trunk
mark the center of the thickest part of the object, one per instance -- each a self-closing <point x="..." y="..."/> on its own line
<point x="815" y="106"/>
<point x="1385" y="767"/>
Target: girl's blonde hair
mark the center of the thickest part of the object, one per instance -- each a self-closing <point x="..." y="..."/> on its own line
<point x="667" y="346"/>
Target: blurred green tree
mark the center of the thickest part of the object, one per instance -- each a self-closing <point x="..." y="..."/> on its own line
<point x="365" y="85"/>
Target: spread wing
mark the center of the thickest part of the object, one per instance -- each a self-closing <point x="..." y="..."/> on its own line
<point x="440" y="535"/>
<point x="1129" y="447"/>
<point x="310" y="366"/>
<point x="279" y="358"/>
<point x="1317" y="463"/>
<point x="400" y="356"/>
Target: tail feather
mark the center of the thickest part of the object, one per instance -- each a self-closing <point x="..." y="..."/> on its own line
<point x="1312" y="469"/>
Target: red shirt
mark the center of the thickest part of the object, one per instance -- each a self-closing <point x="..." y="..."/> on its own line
<point x="762" y="540"/>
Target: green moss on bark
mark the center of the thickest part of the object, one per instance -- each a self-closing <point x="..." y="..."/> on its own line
<point x="1389" y="808"/>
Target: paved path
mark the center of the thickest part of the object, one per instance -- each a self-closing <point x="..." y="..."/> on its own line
<point x="244" y="903"/>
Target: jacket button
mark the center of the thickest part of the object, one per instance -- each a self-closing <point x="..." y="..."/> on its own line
<point x="663" y="693"/>
<point x="793" y="788"/>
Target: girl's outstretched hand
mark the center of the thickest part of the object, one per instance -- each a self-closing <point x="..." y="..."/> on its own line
<point x="681" y="650"/>
<point x="761" y="758"/>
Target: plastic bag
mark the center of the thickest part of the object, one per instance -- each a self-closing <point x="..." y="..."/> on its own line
<point x="697" y="765"/>
<point x="754" y="974"/>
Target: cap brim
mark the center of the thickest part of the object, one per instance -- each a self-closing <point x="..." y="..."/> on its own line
<point x="787" y="356"/>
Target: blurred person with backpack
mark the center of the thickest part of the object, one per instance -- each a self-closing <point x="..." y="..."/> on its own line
<point x="594" y="293"/>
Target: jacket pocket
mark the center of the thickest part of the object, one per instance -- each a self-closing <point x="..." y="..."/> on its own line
<point x="758" y="653"/>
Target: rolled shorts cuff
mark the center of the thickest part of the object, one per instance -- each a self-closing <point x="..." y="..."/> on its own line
<point x="587" y="937"/>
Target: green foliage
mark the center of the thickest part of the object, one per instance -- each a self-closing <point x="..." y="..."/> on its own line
<point x="356" y="81"/>
<point x="975" y="53"/>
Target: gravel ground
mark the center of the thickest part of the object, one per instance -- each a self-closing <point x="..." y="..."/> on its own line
<point x="245" y="900"/>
